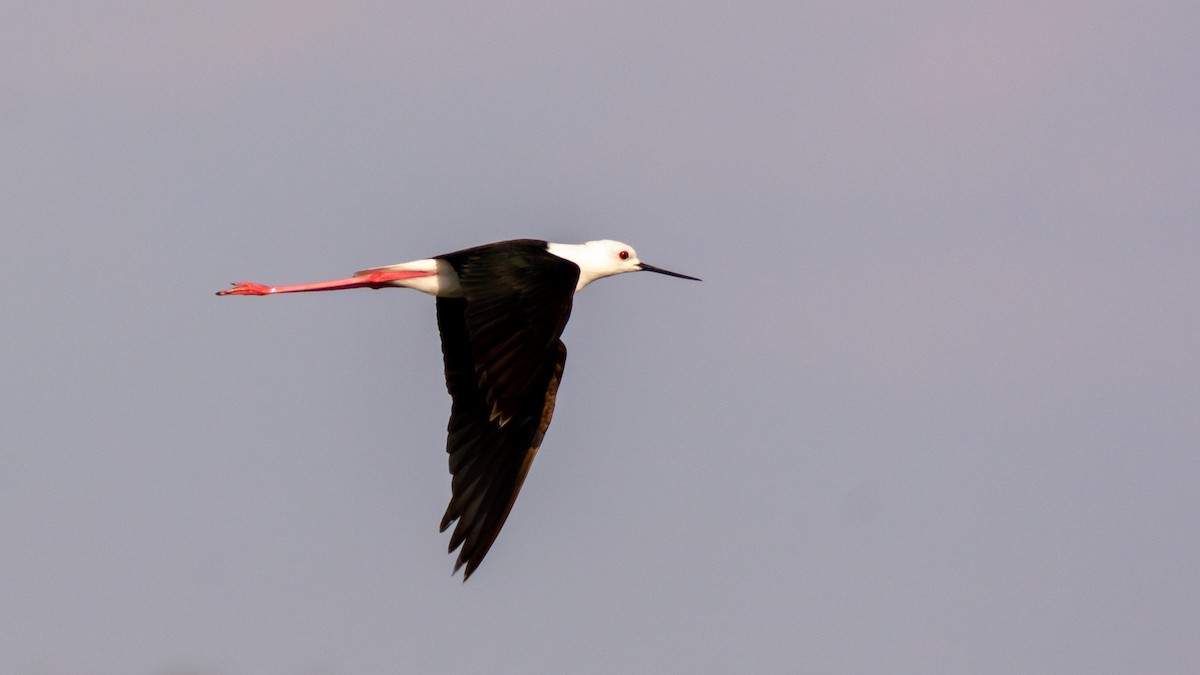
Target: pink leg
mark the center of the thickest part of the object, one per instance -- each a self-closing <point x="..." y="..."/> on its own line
<point x="372" y="280"/>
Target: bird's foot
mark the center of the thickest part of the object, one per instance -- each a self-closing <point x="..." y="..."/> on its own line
<point x="246" y="288"/>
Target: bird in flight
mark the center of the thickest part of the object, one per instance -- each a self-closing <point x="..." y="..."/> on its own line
<point x="501" y="309"/>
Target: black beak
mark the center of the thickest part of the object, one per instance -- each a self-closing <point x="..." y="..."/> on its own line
<point x="652" y="268"/>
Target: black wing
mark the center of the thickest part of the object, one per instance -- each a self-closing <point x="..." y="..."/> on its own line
<point x="504" y="361"/>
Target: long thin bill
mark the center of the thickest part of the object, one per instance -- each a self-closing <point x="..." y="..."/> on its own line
<point x="652" y="268"/>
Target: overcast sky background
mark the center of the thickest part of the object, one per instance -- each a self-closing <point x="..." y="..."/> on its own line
<point x="935" y="407"/>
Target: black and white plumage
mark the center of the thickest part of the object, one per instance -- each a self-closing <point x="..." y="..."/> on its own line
<point x="501" y="309"/>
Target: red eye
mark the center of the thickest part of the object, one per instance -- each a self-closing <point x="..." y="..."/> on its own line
<point x="623" y="255"/>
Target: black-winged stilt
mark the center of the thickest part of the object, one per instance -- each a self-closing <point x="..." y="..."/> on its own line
<point x="500" y="309"/>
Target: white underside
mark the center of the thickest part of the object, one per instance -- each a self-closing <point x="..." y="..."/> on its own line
<point x="444" y="284"/>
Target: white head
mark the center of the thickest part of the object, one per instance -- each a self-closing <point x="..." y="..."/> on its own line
<point x="604" y="258"/>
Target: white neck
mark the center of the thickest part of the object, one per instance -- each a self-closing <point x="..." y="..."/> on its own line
<point x="592" y="264"/>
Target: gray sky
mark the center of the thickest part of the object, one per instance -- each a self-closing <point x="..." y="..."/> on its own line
<point x="935" y="407"/>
